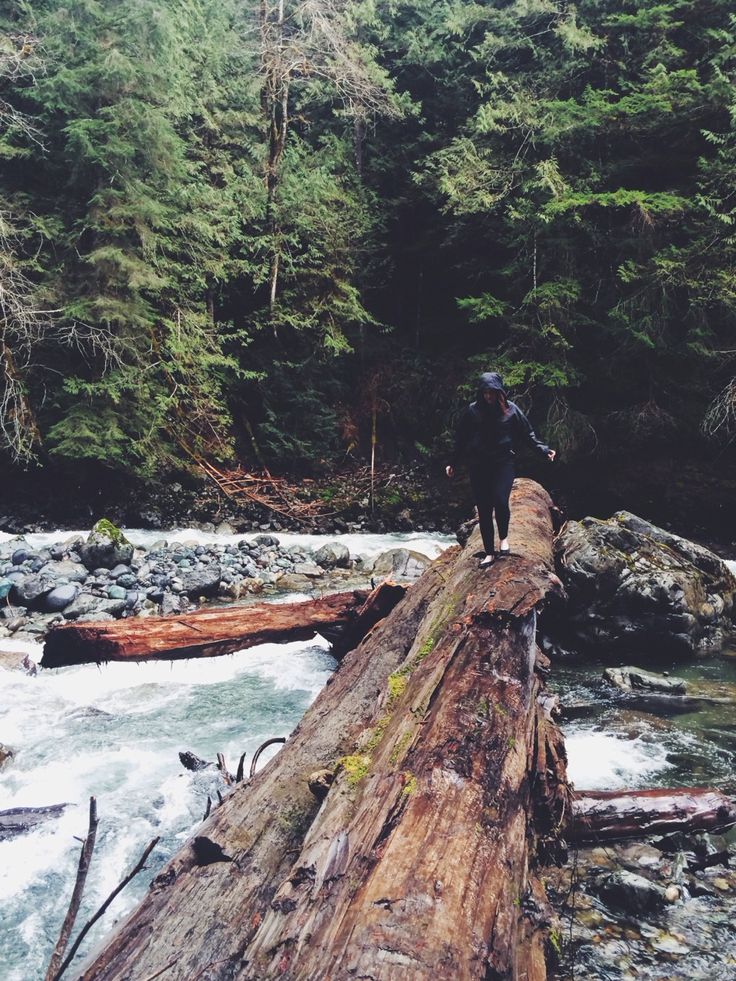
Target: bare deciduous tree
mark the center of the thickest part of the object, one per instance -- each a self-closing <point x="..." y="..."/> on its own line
<point x="24" y="324"/>
<point x="301" y="40"/>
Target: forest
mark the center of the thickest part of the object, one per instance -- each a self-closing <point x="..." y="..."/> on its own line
<point x="277" y="231"/>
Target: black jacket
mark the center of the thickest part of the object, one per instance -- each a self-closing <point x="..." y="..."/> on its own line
<point x="487" y="435"/>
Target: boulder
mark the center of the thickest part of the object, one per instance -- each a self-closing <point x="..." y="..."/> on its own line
<point x="106" y="547"/>
<point x="201" y="582"/>
<point x="630" y="892"/>
<point x="333" y="555"/>
<point x="6" y="754"/>
<point x="659" y="691"/>
<point x="308" y="569"/>
<point x="400" y="563"/>
<point x="73" y="571"/>
<point x="30" y="589"/>
<point x="634" y="586"/>
<point x="90" y="607"/>
<point x="630" y="679"/>
<point x="60" y="597"/>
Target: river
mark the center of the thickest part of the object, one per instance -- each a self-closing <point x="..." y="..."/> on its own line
<point x="115" y="732"/>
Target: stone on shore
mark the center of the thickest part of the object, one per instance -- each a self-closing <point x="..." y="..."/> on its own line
<point x="106" y="547"/>
<point x="636" y="587"/>
<point x="630" y="892"/>
<point x="400" y="563"/>
<point x="333" y="555"/>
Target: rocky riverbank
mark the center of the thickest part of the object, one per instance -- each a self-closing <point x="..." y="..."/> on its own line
<point x="104" y="576"/>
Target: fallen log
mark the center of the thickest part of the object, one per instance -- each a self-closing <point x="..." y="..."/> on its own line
<point x="18" y="820"/>
<point x="214" y="631"/>
<point x="612" y="815"/>
<point x="449" y="777"/>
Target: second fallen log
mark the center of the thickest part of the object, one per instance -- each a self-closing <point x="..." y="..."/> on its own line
<point x="612" y="815"/>
<point x="219" y="630"/>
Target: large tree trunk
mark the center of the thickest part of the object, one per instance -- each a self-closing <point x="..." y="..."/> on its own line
<point x="419" y="862"/>
<point x="611" y="815"/>
<point x="343" y="618"/>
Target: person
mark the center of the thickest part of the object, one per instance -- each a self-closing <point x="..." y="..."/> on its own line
<point x="488" y="433"/>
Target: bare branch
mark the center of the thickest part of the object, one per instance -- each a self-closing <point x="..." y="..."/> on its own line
<point x="141" y="864"/>
<point x="720" y="419"/>
<point x="85" y="857"/>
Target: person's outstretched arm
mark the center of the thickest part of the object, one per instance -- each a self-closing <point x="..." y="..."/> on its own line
<point x="462" y="432"/>
<point x="528" y="435"/>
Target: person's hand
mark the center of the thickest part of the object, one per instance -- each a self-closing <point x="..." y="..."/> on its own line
<point x="450" y="471"/>
<point x="551" y="455"/>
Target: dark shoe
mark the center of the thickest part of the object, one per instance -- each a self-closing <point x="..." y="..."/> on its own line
<point x="488" y="561"/>
<point x="503" y="552"/>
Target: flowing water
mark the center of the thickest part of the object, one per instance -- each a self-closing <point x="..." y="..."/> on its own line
<point x="115" y="732"/>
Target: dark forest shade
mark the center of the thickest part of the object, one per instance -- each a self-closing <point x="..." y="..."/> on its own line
<point x="257" y="234"/>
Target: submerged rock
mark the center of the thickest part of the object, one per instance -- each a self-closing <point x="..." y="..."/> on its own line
<point x="649" y="688"/>
<point x="635" y="586"/>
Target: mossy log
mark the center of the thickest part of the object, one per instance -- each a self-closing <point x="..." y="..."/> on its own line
<point x="342" y="618"/>
<point x="419" y="862"/>
<point x="612" y="815"/>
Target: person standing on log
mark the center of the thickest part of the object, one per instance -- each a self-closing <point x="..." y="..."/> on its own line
<point x="487" y="434"/>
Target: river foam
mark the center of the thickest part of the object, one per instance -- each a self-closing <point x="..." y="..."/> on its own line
<point x="115" y="732"/>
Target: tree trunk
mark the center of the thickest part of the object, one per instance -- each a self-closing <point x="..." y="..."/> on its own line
<point x="342" y="617"/>
<point x="419" y="862"/>
<point x="610" y="815"/>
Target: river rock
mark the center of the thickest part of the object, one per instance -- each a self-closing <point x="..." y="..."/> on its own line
<point x="30" y="589"/>
<point x="65" y="569"/>
<point x="60" y="597"/>
<point x="659" y="691"/>
<point x="89" y="606"/>
<point x="629" y="892"/>
<point x="333" y="555"/>
<point x="630" y="679"/>
<point x="18" y="661"/>
<point x="5" y="586"/>
<point x="6" y="754"/>
<point x="401" y="563"/>
<point x="200" y="582"/>
<point x="308" y="569"/>
<point x="635" y="586"/>
<point x="106" y="547"/>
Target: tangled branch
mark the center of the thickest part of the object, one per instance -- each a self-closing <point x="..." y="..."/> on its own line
<point x="720" y="419"/>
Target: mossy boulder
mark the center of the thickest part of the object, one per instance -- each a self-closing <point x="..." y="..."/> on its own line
<point x="635" y="587"/>
<point x="106" y="547"/>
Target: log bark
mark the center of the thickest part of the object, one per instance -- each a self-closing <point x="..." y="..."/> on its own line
<point x="612" y="815"/>
<point x="214" y="631"/>
<point x="449" y="773"/>
<point x="18" y="820"/>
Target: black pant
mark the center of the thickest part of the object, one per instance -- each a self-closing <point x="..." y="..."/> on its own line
<point x="491" y="483"/>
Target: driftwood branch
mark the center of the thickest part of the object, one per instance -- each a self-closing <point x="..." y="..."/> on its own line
<point x="256" y="755"/>
<point x="88" y="846"/>
<point x="103" y="908"/>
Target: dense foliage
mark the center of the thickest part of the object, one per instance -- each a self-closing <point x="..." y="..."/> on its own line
<point x="270" y="229"/>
